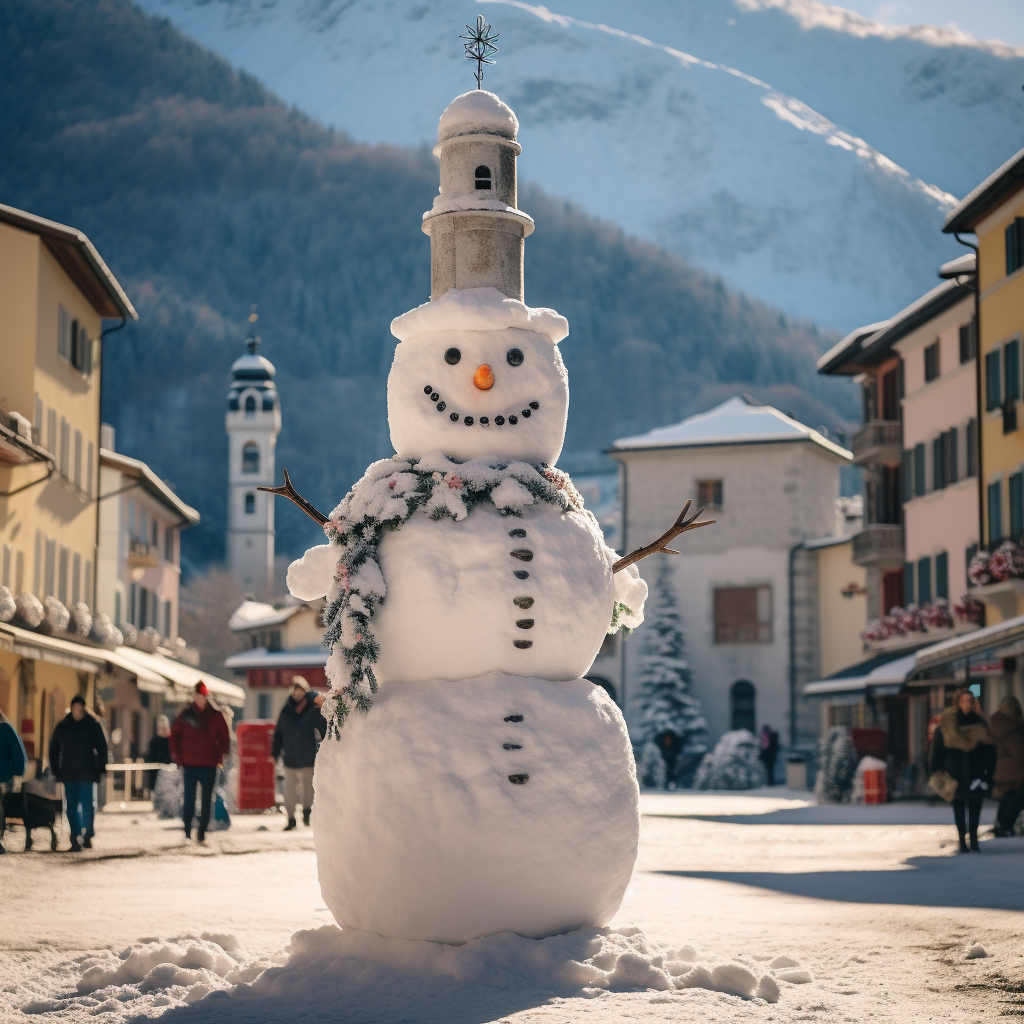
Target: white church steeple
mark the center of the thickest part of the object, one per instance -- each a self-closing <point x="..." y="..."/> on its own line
<point x="253" y="422"/>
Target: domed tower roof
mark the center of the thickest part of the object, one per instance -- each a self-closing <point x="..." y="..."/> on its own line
<point x="252" y="367"/>
<point x="478" y="112"/>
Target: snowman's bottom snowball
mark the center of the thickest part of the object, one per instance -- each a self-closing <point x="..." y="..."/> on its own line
<point x="422" y="834"/>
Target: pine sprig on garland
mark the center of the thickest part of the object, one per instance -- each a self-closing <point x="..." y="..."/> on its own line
<point x="389" y="494"/>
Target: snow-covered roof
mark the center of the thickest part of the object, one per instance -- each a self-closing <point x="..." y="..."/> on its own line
<point x="737" y="421"/>
<point x="477" y="113"/>
<point x="839" y="355"/>
<point x="885" y="679"/>
<point x="150" y="482"/>
<point x="974" y="642"/>
<point x="252" y="367"/>
<point x="997" y="187"/>
<point x="297" y="657"/>
<point x="479" y="309"/>
<point x="252" y="614"/>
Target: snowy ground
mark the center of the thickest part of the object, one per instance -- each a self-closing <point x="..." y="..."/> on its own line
<point x="870" y="903"/>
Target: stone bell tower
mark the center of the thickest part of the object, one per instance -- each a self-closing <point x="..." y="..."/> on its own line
<point x="476" y="232"/>
<point x="253" y="422"/>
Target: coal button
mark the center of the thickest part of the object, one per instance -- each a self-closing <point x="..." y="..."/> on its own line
<point x="517" y="532"/>
<point x="513" y="718"/>
<point x="524" y="623"/>
<point x="523" y="554"/>
<point x="512" y="746"/>
<point x="520" y="574"/>
<point x="523" y="644"/>
<point x="519" y="780"/>
<point x="523" y="602"/>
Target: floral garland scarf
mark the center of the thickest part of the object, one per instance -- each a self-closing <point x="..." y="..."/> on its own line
<point x="387" y="496"/>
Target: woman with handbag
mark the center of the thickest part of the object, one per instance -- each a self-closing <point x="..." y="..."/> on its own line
<point x="964" y="750"/>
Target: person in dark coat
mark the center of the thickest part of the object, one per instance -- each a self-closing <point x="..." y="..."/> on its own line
<point x="1007" y="727"/>
<point x="159" y="749"/>
<point x="78" y="758"/>
<point x="199" y="740"/>
<point x="964" y="747"/>
<point x="769" y="751"/>
<point x="13" y="761"/>
<point x="300" y="728"/>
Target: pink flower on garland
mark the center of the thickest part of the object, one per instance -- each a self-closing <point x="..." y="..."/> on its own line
<point x="341" y="576"/>
<point x="453" y="481"/>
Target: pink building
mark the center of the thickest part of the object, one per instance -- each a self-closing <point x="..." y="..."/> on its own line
<point x="940" y="478"/>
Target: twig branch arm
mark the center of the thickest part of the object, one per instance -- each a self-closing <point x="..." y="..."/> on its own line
<point x="681" y="525"/>
<point x="289" y="492"/>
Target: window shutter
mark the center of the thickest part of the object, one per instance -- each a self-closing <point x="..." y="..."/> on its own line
<point x="942" y="575"/>
<point x="907" y="474"/>
<point x="1011" y="369"/>
<point x="993" y="396"/>
<point x="1010" y="237"/>
<point x="908" y="582"/>
<point x="952" y="468"/>
<point x="995" y="513"/>
<point x="938" y="463"/>
<point x="972" y="447"/>
<point x="924" y="580"/>
<point x="1016" y="506"/>
<point x="919" y="471"/>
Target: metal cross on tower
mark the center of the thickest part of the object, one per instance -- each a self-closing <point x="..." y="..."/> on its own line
<point x="480" y="47"/>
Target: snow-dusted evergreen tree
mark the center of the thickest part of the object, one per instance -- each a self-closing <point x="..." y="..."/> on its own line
<point x="651" y="769"/>
<point x="735" y="763"/>
<point x="667" y="715"/>
<point x="838" y="768"/>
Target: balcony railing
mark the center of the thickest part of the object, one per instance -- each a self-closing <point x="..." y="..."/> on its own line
<point x="879" y="544"/>
<point x="143" y="555"/>
<point x="878" y="441"/>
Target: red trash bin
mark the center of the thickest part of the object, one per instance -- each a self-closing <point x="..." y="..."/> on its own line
<point x="874" y="786"/>
<point x="255" y="765"/>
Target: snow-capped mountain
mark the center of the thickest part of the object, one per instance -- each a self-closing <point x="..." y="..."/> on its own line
<point x="804" y="153"/>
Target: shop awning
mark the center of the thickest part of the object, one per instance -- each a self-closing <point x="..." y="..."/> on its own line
<point x="883" y="675"/>
<point x="57" y="651"/>
<point x="183" y="678"/>
<point x="1004" y="639"/>
<point x="298" y="657"/>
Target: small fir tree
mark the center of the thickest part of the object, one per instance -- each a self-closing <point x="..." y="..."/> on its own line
<point x="735" y="763"/>
<point x="838" y="768"/>
<point x="668" y="717"/>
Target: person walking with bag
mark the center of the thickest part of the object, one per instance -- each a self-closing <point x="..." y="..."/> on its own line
<point x="13" y="761"/>
<point x="300" y="728"/>
<point x="78" y="758"/>
<point x="199" y="740"/>
<point x="1007" y="727"/>
<point x="964" y="749"/>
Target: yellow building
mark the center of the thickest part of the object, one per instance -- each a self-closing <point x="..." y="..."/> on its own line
<point x="55" y="293"/>
<point x="994" y="212"/>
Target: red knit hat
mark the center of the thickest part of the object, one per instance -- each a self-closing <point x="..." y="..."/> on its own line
<point x="201" y="688"/>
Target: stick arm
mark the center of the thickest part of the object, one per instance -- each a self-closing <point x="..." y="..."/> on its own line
<point x="289" y="492"/>
<point x="681" y="525"/>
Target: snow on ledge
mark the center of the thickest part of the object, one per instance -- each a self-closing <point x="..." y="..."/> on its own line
<point x="479" y="309"/>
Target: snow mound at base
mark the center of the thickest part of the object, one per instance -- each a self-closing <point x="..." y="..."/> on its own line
<point x="348" y="974"/>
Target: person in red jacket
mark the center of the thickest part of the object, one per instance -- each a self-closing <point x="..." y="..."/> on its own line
<point x="199" y="740"/>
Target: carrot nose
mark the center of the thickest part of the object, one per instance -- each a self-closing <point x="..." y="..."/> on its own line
<point x="484" y="377"/>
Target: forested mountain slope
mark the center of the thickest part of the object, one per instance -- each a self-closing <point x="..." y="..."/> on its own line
<point x="205" y="193"/>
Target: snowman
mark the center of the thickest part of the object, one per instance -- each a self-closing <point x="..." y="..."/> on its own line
<point x="473" y="781"/>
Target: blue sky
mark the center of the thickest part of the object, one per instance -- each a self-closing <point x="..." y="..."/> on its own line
<point x="983" y="19"/>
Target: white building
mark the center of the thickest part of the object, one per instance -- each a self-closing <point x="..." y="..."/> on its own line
<point x="253" y="422"/>
<point x="284" y="641"/>
<point x="138" y="570"/>
<point x="747" y="586"/>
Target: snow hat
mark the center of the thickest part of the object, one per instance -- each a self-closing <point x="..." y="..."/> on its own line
<point x="78" y="699"/>
<point x="479" y="309"/>
<point x="201" y="688"/>
<point x="301" y="683"/>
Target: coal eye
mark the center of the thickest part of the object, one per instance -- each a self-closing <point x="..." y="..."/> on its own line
<point x="452" y="356"/>
<point x="514" y="357"/>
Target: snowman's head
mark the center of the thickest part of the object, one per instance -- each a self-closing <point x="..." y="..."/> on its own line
<point x="478" y="375"/>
